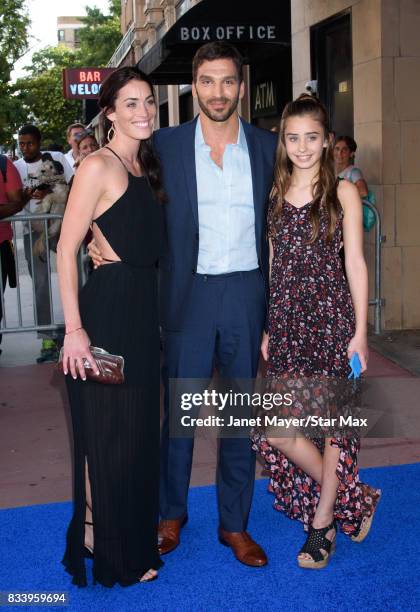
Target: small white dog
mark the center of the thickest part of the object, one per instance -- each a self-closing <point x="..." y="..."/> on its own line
<point x="50" y="176"/>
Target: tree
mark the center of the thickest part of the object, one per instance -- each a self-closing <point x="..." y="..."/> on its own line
<point x="14" y="23"/>
<point x="101" y="35"/>
<point x="41" y="94"/>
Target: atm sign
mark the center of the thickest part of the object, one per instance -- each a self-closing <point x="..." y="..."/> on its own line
<point x="83" y="83"/>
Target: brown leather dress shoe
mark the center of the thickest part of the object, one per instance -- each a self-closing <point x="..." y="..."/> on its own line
<point x="168" y="534"/>
<point x="244" y="548"/>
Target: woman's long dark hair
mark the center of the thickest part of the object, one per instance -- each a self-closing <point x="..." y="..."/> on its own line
<point x="147" y="157"/>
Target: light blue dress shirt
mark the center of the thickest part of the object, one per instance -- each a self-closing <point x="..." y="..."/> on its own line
<point x="226" y="213"/>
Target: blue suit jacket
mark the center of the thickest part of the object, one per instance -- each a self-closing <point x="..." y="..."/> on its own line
<point x="176" y="149"/>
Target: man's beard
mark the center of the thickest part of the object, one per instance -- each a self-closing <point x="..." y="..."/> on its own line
<point x="217" y="116"/>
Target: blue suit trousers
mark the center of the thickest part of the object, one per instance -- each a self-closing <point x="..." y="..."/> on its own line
<point x="223" y="325"/>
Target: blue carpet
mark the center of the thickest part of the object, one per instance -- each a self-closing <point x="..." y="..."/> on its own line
<point x="379" y="574"/>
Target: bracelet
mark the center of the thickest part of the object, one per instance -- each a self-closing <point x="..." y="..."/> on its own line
<point x="73" y="330"/>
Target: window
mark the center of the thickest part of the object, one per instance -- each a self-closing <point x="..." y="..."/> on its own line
<point x="61" y="35"/>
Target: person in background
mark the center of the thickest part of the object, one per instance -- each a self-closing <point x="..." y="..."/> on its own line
<point x="86" y="144"/>
<point x="72" y="131"/>
<point x="55" y="147"/>
<point x="344" y="153"/>
<point x="10" y="203"/>
<point x="29" y="138"/>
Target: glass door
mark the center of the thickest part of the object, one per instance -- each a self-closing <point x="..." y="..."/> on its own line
<point x="332" y="68"/>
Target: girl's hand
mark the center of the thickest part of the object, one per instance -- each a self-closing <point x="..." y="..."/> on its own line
<point x="358" y="344"/>
<point x="264" y="346"/>
<point x="76" y="349"/>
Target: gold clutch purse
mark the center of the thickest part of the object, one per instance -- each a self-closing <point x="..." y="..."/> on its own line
<point x="111" y="367"/>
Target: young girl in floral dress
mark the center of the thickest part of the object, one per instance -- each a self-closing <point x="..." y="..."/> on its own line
<point x="317" y="321"/>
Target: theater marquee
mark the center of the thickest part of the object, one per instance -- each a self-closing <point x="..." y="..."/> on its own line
<point x="83" y="83"/>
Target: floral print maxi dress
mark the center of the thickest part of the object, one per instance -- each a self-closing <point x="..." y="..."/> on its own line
<point x="311" y="322"/>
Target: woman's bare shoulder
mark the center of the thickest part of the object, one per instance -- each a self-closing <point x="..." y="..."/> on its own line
<point x="98" y="163"/>
<point x="346" y="191"/>
<point x="348" y="196"/>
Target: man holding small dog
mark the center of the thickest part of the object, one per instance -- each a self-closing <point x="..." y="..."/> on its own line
<point x="29" y="138"/>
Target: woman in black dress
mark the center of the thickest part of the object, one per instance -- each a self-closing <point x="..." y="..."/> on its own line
<point x="117" y="191"/>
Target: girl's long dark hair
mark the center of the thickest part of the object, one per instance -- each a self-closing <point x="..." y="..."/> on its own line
<point x="325" y="189"/>
<point x="147" y="157"/>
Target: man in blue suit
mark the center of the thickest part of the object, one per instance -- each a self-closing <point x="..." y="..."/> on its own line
<point x="217" y="173"/>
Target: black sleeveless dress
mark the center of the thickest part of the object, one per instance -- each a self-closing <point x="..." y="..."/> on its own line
<point x="116" y="428"/>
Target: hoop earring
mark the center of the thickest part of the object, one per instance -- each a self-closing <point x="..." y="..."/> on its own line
<point x="111" y="129"/>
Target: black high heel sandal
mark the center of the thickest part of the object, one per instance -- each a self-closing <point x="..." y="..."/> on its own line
<point x="315" y="542"/>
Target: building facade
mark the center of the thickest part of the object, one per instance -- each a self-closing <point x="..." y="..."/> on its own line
<point x="362" y="57"/>
<point x="67" y="31"/>
<point x="161" y="36"/>
<point x="366" y="57"/>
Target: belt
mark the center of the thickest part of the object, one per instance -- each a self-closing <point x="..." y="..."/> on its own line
<point x="239" y="274"/>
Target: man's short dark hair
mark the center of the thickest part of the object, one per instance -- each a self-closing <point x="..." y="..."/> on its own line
<point x="30" y="130"/>
<point x="217" y="50"/>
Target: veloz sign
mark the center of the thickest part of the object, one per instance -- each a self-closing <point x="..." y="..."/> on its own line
<point x="84" y="83"/>
<point x="232" y="32"/>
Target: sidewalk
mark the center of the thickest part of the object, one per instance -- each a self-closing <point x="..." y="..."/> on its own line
<point x="23" y="348"/>
<point x="402" y="347"/>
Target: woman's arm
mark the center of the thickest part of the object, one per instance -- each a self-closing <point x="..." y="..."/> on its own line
<point x="356" y="177"/>
<point x="14" y="194"/>
<point x="13" y="205"/>
<point x="87" y="190"/>
<point x="265" y="338"/>
<point x="356" y="268"/>
<point x="362" y="187"/>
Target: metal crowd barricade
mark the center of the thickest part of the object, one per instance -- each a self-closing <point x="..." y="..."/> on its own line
<point x="377" y="301"/>
<point x="82" y="270"/>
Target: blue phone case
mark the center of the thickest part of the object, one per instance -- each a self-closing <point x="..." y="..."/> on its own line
<point x="355" y="365"/>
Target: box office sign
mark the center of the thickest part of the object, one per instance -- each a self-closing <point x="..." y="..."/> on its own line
<point x="257" y="32"/>
<point x="264" y="99"/>
<point x="84" y="83"/>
